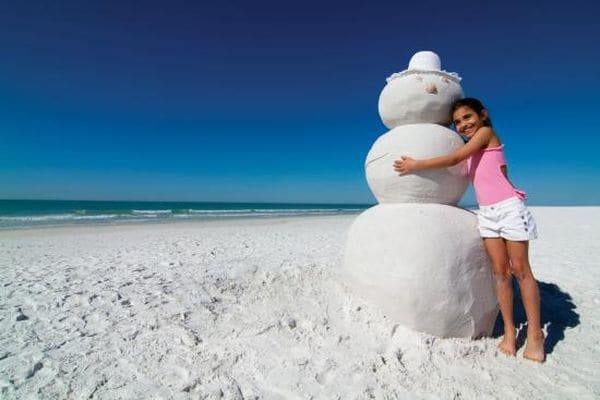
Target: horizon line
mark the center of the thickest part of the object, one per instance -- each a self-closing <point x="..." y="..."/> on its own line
<point x="465" y="205"/>
<point x="196" y="201"/>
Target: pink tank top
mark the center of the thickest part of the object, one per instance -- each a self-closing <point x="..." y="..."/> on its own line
<point x="491" y="186"/>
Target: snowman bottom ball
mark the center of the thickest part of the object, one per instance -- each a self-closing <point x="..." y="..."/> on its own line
<point x="424" y="266"/>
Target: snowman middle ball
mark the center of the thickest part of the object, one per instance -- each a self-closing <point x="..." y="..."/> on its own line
<point x="442" y="186"/>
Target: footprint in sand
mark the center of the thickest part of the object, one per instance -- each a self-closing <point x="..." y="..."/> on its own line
<point x="325" y="377"/>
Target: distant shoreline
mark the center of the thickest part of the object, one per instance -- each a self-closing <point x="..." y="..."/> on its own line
<point x="8" y="223"/>
<point x="32" y="213"/>
<point x="172" y="222"/>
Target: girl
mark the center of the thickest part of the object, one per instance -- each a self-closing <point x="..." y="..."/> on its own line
<point x="505" y="224"/>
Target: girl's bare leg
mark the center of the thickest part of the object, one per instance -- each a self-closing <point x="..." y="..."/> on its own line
<point x="497" y="251"/>
<point x="520" y="268"/>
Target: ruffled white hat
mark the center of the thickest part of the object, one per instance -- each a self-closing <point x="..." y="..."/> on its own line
<point x="425" y="62"/>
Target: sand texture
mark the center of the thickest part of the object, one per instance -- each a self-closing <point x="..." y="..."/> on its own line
<point x="257" y="309"/>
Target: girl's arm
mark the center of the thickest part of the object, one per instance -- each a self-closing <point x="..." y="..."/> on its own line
<point x="480" y="139"/>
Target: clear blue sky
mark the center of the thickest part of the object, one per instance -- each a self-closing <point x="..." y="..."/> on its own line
<point x="275" y="100"/>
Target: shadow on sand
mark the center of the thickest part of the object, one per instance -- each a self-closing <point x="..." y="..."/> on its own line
<point x="558" y="314"/>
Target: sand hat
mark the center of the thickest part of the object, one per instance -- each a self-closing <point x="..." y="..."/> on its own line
<point x="425" y="62"/>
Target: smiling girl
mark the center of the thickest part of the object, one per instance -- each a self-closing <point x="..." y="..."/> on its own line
<point x="505" y="223"/>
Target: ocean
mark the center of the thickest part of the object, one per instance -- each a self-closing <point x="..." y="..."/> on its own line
<point x="32" y="213"/>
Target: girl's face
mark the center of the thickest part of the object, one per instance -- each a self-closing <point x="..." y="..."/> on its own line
<point x="467" y="121"/>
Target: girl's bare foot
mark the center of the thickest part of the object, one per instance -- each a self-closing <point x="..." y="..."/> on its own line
<point x="534" y="349"/>
<point x="508" y="344"/>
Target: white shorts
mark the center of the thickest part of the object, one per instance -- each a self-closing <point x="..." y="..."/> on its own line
<point x="509" y="219"/>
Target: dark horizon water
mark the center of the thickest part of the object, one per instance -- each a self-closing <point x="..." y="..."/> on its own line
<point x="30" y="213"/>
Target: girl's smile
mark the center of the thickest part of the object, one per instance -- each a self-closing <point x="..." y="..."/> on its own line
<point x="467" y="121"/>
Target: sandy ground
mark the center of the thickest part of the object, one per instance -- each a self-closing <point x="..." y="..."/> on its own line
<point x="258" y="309"/>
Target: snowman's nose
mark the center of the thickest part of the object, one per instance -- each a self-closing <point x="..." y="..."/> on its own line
<point x="431" y="88"/>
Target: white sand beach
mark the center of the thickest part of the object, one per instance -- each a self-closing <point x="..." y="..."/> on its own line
<point x="257" y="309"/>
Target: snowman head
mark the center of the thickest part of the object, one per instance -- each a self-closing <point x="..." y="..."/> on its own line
<point x="423" y="93"/>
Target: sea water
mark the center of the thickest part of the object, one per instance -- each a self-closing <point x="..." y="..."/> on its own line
<point x="30" y="213"/>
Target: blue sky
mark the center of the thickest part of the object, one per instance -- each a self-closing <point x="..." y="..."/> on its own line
<point x="277" y="101"/>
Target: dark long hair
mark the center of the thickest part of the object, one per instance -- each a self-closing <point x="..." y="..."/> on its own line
<point x="474" y="105"/>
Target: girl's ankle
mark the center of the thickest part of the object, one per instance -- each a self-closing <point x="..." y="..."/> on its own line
<point x="510" y="331"/>
<point x="535" y="333"/>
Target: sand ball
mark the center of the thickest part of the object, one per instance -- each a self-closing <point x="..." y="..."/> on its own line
<point x="424" y="265"/>
<point x="444" y="186"/>
<point x="419" y="97"/>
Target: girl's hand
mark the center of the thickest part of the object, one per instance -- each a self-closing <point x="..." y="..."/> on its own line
<point x="405" y="165"/>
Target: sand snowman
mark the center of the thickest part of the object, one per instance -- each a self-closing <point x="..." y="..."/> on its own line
<point x="416" y="255"/>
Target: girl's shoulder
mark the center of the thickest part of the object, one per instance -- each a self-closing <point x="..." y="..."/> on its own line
<point x="493" y="140"/>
